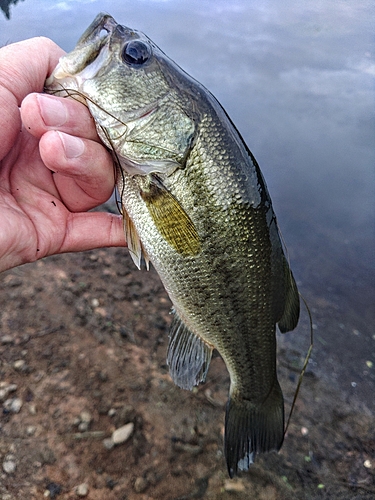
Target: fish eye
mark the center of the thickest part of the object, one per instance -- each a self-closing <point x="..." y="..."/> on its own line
<point x="136" y="53"/>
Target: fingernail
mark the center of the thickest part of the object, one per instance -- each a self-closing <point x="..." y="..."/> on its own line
<point x="53" y="111"/>
<point x="73" y="146"/>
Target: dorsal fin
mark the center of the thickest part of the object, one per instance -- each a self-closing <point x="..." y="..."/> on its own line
<point x="290" y="316"/>
<point x="188" y="355"/>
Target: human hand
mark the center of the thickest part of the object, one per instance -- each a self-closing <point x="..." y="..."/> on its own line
<point x="53" y="167"/>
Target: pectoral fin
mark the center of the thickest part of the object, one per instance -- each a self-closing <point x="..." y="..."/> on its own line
<point x="170" y="218"/>
<point x="188" y="356"/>
<point x="290" y="316"/>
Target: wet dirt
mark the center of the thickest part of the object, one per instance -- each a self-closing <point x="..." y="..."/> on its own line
<point x="83" y="340"/>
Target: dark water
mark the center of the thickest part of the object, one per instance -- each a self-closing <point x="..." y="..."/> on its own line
<point x="298" y="81"/>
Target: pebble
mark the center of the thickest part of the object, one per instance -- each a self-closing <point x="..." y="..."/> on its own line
<point x="123" y="433"/>
<point x="367" y="464"/>
<point x="83" y="426"/>
<point x="140" y="484"/>
<point x="19" y="364"/>
<point x="76" y="421"/>
<point x="32" y="409"/>
<point x="5" y="389"/>
<point x="6" y="339"/>
<point x="30" y="430"/>
<point x="9" y="464"/>
<point x="108" y="443"/>
<point x="9" y="387"/>
<point x="83" y="421"/>
<point x="13" y="405"/>
<point x="82" y="490"/>
<point x="85" y="416"/>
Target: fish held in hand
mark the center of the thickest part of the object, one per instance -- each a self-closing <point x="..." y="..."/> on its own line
<point x="196" y="205"/>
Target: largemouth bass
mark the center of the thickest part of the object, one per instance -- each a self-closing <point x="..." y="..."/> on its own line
<point x="196" y="205"/>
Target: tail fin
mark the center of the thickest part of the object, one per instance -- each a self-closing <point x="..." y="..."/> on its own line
<point x="252" y="429"/>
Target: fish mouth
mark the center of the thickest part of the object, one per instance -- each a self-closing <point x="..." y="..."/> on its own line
<point x="91" y="50"/>
<point x="101" y="23"/>
<point x="102" y="29"/>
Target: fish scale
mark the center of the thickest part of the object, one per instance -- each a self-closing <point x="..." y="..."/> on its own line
<point x="196" y="205"/>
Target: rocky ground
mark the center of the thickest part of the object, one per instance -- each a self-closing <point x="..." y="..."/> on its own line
<point x="83" y="342"/>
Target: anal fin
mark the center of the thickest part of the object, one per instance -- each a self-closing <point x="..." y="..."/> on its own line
<point x="188" y="356"/>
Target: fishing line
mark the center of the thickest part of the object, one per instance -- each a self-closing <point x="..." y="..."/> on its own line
<point x="304" y="364"/>
<point x="117" y="169"/>
<point x="308" y="355"/>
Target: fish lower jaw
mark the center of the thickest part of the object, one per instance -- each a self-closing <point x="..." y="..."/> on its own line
<point x="67" y="88"/>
